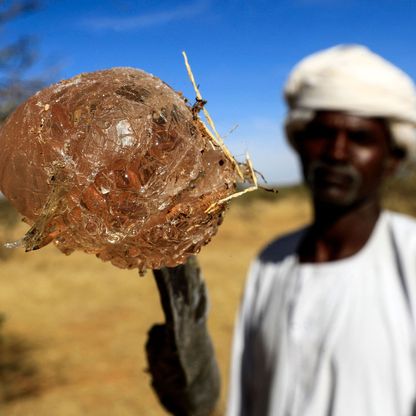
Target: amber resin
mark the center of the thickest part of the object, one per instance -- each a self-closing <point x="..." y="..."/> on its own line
<point x="116" y="164"/>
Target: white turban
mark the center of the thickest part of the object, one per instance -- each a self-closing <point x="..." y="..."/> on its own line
<point x="353" y="79"/>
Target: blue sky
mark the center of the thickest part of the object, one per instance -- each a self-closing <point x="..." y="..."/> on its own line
<point x="241" y="52"/>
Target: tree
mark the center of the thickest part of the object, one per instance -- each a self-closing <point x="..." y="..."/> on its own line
<point x="16" y="58"/>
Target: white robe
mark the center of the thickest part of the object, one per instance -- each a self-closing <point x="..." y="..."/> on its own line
<point x="329" y="339"/>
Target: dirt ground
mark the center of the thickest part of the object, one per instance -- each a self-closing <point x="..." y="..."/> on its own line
<point x="84" y="322"/>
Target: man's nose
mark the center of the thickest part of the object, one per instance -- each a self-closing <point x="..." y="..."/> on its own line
<point x="338" y="146"/>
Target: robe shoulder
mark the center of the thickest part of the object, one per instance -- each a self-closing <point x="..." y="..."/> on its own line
<point x="280" y="248"/>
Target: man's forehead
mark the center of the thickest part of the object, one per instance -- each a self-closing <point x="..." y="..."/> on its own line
<point x="344" y="120"/>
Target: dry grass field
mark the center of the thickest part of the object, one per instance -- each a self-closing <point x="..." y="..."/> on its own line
<point x="73" y="339"/>
<point x="75" y="327"/>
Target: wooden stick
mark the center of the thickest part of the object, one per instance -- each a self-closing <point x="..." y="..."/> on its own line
<point x="216" y="135"/>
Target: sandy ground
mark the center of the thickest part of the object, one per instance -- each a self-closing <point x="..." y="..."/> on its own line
<point x="86" y="321"/>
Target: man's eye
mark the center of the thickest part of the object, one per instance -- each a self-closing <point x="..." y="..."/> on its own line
<point x="320" y="132"/>
<point x="361" y="137"/>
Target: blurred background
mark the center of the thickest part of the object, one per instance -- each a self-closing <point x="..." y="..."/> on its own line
<point x="73" y="329"/>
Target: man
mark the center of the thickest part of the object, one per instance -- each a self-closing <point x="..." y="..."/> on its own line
<point x="327" y="325"/>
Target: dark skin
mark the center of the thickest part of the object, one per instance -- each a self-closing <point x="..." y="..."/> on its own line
<point x="345" y="160"/>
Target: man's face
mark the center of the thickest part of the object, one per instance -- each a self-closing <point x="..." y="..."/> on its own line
<point x="345" y="158"/>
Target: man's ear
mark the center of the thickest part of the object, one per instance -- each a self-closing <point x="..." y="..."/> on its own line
<point x="294" y="139"/>
<point x="395" y="160"/>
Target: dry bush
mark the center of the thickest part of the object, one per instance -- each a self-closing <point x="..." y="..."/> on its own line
<point x="19" y="375"/>
<point x="9" y="218"/>
<point x="399" y="192"/>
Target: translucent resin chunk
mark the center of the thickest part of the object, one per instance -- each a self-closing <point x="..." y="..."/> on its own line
<point x="114" y="163"/>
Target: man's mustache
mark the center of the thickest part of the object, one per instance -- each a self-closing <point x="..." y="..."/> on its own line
<point x="342" y="170"/>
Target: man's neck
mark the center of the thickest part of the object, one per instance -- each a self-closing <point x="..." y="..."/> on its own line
<point x="338" y="233"/>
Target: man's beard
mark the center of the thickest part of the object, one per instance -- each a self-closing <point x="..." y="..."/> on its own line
<point x="333" y="183"/>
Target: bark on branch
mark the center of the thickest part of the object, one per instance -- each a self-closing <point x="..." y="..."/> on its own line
<point x="180" y="355"/>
